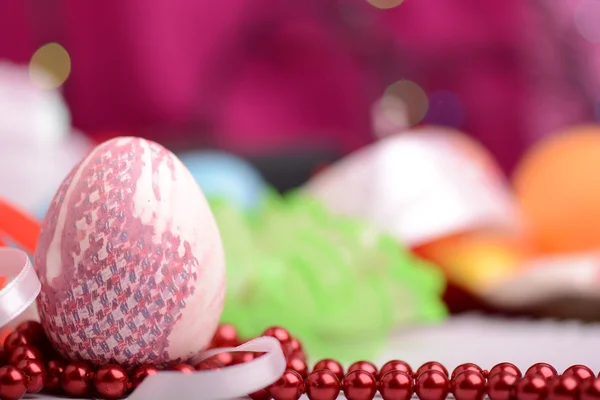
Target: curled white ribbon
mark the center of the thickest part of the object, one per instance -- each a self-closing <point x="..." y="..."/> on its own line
<point x="225" y="383"/>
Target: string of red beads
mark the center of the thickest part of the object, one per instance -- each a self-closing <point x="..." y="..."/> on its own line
<point x="29" y="365"/>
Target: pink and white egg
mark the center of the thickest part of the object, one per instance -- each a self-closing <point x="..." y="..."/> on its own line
<point x="130" y="259"/>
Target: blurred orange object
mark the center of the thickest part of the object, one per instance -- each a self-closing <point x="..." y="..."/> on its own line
<point x="476" y="261"/>
<point x="20" y="227"/>
<point x="558" y="186"/>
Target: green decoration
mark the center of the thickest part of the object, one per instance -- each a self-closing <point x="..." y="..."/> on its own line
<point x="337" y="284"/>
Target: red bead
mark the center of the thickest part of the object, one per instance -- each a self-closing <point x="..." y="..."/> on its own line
<point x="13" y="383"/>
<point x="543" y="369"/>
<point x="282" y="335"/>
<point x="36" y="372"/>
<point x="466" y="367"/>
<point x="322" y="384"/>
<point x="432" y="365"/>
<point x="262" y="394"/>
<point x="225" y="336"/>
<point x="111" y="382"/>
<point x="331" y="365"/>
<point x="500" y="386"/>
<point x="396" y="385"/>
<point x="298" y="354"/>
<point x="33" y="331"/>
<point x="299" y="366"/>
<point x="209" y="364"/>
<point x="563" y="388"/>
<point x="359" y="385"/>
<point x="240" y="357"/>
<point x="395" y="365"/>
<point x="14" y="340"/>
<point x="505" y="367"/>
<point x="142" y="373"/>
<point x="580" y="372"/>
<point x="531" y="387"/>
<point x="54" y="370"/>
<point x="295" y="345"/>
<point x="25" y="352"/>
<point x="469" y="385"/>
<point x="226" y="359"/>
<point x="289" y="387"/>
<point x="182" y="367"/>
<point x="364" y="366"/>
<point x="76" y="379"/>
<point x="432" y="385"/>
<point x="590" y="389"/>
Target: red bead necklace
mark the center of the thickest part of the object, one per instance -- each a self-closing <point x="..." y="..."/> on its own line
<point x="29" y="365"/>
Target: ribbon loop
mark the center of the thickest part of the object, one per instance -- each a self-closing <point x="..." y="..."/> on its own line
<point x="20" y="292"/>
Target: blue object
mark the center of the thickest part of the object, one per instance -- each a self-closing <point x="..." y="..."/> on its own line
<point x="225" y="176"/>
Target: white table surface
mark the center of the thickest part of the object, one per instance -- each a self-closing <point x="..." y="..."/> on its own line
<point x="487" y="341"/>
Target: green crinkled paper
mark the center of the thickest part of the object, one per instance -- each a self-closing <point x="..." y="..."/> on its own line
<point x="337" y="284"/>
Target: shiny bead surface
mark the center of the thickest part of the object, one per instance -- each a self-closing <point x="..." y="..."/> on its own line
<point x="14" y="340"/>
<point x="563" y="388"/>
<point x="396" y="385"/>
<point x="13" y="383"/>
<point x="580" y="372"/>
<point x="590" y="389"/>
<point x="240" y="357"/>
<point x="359" y="385"/>
<point x="225" y="336"/>
<point x="469" y="385"/>
<point x="36" y="372"/>
<point x="289" y="387"/>
<point x="431" y="365"/>
<point x="33" y="331"/>
<point x="298" y="365"/>
<point x="466" y="367"/>
<point x="505" y="367"/>
<point x="209" y="364"/>
<point x="282" y="335"/>
<point x="331" y="365"/>
<point x="54" y="369"/>
<point x="111" y="382"/>
<point x="531" y="387"/>
<point x="322" y="385"/>
<point x="501" y="385"/>
<point x="295" y="345"/>
<point x="543" y="369"/>
<point x="226" y="359"/>
<point x="364" y="366"/>
<point x="25" y="352"/>
<point x="182" y="367"/>
<point x="395" y="365"/>
<point x="262" y="394"/>
<point x="141" y="373"/>
<point x="76" y="380"/>
<point x="432" y="385"/>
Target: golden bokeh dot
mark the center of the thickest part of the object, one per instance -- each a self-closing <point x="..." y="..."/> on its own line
<point x="414" y="98"/>
<point x="50" y="66"/>
<point x="385" y="4"/>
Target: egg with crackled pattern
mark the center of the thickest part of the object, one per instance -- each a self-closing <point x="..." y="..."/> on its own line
<point x="130" y="259"/>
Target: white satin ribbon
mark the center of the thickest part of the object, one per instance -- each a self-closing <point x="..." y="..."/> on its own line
<point x="225" y="383"/>
<point x="21" y="291"/>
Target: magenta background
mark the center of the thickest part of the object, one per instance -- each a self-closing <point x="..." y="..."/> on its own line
<point x="261" y="75"/>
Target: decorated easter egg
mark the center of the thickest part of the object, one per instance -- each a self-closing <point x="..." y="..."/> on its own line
<point x="130" y="259"/>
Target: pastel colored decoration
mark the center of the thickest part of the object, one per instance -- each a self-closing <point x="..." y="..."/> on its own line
<point x="130" y="259"/>
<point x="226" y="176"/>
<point x="558" y="187"/>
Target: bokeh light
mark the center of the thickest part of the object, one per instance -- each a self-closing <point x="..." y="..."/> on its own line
<point x="412" y="96"/>
<point x="385" y="4"/>
<point x="390" y="116"/>
<point x="445" y="108"/>
<point x="50" y="66"/>
<point x="587" y="17"/>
